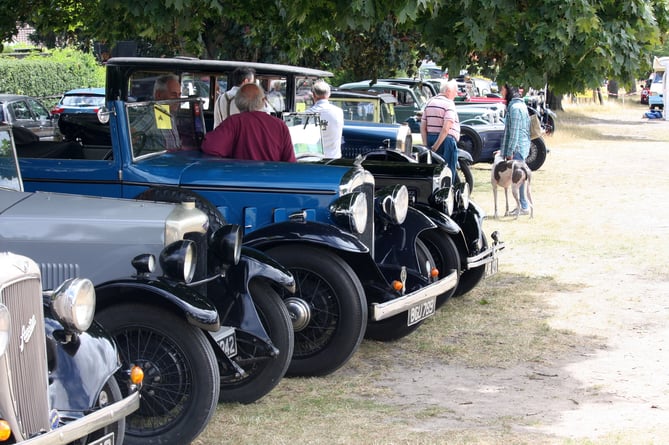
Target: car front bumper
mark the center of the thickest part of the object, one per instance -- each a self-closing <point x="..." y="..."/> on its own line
<point x="381" y="311"/>
<point x="79" y="428"/>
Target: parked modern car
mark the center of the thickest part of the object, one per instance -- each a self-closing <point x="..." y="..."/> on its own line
<point x="51" y="395"/>
<point x="80" y="100"/>
<point x="320" y="222"/>
<point x="205" y="324"/>
<point x="30" y="113"/>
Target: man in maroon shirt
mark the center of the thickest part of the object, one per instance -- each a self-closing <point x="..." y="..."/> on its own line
<point x="252" y="133"/>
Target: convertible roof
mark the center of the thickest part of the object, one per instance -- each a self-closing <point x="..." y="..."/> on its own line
<point x="194" y="64"/>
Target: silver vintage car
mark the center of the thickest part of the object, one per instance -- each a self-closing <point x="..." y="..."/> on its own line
<point x="199" y="313"/>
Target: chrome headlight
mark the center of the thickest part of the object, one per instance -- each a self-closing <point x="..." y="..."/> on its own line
<point x="404" y="141"/>
<point x="442" y="179"/>
<point x="73" y="303"/>
<point x="393" y="203"/>
<point x="226" y="243"/>
<point x="443" y="200"/>
<point x="350" y="211"/>
<point x="4" y="328"/>
<point x="462" y="195"/>
<point x="178" y="260"/>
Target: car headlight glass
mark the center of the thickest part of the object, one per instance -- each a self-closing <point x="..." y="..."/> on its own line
<point x="393" y="202"/>
<point x="4" y="328"/>
<point x="462" y="195"/>
<point x="444" y="200"/>
<point x="178" y="260"/>
<point x="73" y="303"/>
<point x="350" y="211"/>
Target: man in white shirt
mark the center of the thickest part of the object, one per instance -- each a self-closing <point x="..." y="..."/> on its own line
<point x="332" y="114"/>
<point x="225" y="104"/>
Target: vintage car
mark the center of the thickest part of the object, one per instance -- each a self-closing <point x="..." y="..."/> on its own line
<point x="200" y="336"/>
<point x="321" y="222"/>
<point x="458" y="241"/>
<point x="51" y="395"/>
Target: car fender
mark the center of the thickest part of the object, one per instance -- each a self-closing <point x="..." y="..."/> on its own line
<point x="235" y="287"/>
<point x="388" y="249"/>
<point x="307" y="232"/>
<point x="196" y="309"/>
<point x="80" y="365"/>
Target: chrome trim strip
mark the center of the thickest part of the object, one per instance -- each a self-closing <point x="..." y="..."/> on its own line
<point x="92" y="422"/>
<point x="381" y="311"/>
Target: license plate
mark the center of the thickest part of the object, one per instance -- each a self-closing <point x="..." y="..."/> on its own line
<point x="491" y="267"/>
<point x="106" y="440"/>
<point x="421" y="311"/>
<point x="228" y="343"/>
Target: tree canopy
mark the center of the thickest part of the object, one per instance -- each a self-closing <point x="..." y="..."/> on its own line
<point x="570" y="44"/>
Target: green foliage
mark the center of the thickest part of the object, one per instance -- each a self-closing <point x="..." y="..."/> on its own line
<point x="570" y="45"/>
<point x="50" y="75"/>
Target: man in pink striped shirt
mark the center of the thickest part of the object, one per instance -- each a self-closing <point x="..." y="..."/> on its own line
<point x="440" y="126"/>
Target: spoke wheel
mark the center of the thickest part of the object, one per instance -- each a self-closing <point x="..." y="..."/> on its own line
<point x="263" y="371"/>
<point x="181" y="376"/>
<point x="328" y="310"/>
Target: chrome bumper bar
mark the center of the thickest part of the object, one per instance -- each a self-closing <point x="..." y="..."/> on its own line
<point x="381" y="311"/>
<point x="91" y="422"/>
<point x="486" y="256"/>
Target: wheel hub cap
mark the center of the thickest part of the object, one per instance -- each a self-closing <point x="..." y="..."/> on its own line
<point x="299" y="311"/>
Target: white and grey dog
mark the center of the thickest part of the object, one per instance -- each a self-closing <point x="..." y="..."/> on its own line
<point x="512" y="174"/>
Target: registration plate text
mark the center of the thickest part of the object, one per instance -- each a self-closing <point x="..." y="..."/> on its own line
<point x="421" y="311"/>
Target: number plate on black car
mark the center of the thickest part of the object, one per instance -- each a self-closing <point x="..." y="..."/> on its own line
<point x="227" y="341"/>
<point x="106" y="440"/>
<point x="421" y="311"/>
<point x="491" y="267"/>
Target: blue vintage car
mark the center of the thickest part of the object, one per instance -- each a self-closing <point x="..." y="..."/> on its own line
<point x="353" y="258"/>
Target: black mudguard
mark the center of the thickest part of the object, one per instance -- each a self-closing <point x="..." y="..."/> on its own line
<point x="396" y="244"/>
<point x="79" y="366"/>
<point x="232" y="295"/>
<point x="304" y="231"/>
<point x="196" y="309"/>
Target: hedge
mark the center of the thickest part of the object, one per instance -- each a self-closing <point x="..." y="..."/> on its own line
<point x="50" y="75"/>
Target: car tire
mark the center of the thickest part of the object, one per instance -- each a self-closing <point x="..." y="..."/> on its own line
<point x="471" y="142"/>
<point x="329" y="309"/>
<point x="465" y="170"/>
<point x="537" y="155"/>
<point x="263" y="372"/>
<point x="396" y="327"/>
<point x="181" y="376"/>
<point x="549" y="125"/>
<point x="111" y="393"/>
<point x="446" y="258"/>
<point x="471" y="277"/>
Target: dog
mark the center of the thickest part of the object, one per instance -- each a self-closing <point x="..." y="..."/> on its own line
<point x="512" y="174"/>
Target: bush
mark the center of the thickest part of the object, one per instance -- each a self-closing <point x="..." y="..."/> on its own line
<point x="50" y="74"/>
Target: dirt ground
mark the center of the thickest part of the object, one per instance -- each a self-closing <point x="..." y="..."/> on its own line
<point x="607" y="188"/>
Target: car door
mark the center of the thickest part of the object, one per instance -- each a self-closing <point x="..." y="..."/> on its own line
<point x="43" y="122"/>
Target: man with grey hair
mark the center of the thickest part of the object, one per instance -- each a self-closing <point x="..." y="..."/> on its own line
<point x="330" y="113"/>
<point x="440" y="126"/>
<point x="252" y="133"/>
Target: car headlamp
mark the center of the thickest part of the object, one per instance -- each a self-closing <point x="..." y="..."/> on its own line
<point x="393" y="203"/>
<point x="226" y="243"/>
<point x="4" y="328"/>
<point x="444" y="200"/>
<point x="462" y="195"/>
<point x="73" y="303"/>
<point x="350" y="211"/>
<point x="178" y="260"/>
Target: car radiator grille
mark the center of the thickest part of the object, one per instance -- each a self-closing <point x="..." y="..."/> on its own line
<point x="53" y="274"/>
<point x="367" y="237"/>
<point x="26" y="355"/>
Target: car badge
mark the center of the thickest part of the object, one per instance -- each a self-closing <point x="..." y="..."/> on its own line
<point x="27" y="332"/>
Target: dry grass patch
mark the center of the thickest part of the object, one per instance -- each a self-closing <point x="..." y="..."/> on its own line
<point x="495" y="366"/>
